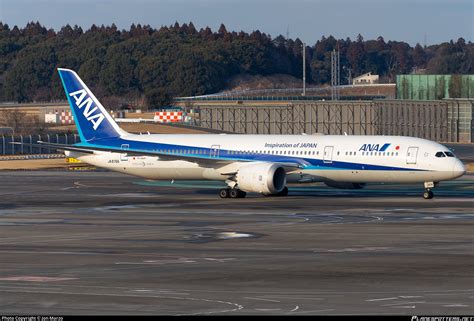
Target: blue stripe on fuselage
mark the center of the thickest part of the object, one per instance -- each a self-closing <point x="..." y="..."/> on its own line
<point x="205" y="153"/>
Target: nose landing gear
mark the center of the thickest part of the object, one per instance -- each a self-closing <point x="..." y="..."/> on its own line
<point x="428" y="194"/>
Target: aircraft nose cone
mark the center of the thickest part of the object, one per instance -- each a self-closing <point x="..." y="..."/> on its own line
<point x="458" y="168"/>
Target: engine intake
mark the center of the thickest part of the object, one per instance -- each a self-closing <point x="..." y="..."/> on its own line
<point x="264" y="178"/>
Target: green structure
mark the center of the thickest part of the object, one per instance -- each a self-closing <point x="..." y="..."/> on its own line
<point x="434" y="87"/>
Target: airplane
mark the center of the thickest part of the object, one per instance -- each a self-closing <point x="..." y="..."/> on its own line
<point x="262" y="164"/>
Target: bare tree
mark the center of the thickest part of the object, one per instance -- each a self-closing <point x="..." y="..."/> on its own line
<point x="13" y="118"/>
<point x="21" y="122"/>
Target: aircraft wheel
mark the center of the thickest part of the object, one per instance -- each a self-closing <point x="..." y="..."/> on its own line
<point x="234" y="193"/>
<point x="237" y="193"/>
<point x="428" y="194"/>
<point x="224" y="193"/>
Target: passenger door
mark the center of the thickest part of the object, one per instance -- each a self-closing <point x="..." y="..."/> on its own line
<point x="411" y="155"/>
<point x="327" y="156"/>
<point x="215" y="151"/>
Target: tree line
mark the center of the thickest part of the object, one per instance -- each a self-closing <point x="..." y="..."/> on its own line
<point x="149" y="66"/>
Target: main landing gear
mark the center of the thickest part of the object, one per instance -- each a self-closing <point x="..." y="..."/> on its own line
<point x="237" y="193"/>
<point x="428" y="193"/>
<point x="231" y="193"/>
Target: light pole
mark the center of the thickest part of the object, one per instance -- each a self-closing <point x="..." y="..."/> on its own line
<point x="304" y="69"/>
<point x="349" y="74"/>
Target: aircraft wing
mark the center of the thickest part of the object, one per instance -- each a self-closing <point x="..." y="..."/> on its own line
<point x="41" y="144"/>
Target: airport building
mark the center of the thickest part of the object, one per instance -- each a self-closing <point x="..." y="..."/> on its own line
<point x="365" y="79"/>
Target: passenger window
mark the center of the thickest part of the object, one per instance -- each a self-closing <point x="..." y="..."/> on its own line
<point x="440" y="154"/>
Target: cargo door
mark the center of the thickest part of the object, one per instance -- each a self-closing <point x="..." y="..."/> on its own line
<point x="124" y="156"/>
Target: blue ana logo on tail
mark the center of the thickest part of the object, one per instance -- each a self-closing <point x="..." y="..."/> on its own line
<point x="374" y="147"/>
<point x="88" y="112"/>
<point x="90" y="116"/>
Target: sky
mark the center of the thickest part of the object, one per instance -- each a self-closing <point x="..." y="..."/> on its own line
<point x="413" y="21"/>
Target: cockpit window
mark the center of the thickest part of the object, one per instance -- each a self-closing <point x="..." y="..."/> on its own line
<point x="440" y="154"/>
<point x="449" y="154"/>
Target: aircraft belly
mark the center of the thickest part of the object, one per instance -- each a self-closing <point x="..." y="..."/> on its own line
<point x="367" y="176"/>
<point x="151" y="168"/>
<point x="166" y="173"/>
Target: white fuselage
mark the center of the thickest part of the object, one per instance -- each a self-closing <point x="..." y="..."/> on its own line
<point x="357" y="159"/>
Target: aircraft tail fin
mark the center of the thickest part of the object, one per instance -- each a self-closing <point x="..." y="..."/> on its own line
<point x="92" y="119"/>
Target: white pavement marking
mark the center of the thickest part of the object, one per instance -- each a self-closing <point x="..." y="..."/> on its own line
<point x="219" y="260"/>
<point x="404" y="307"/>
<point x="261" y="299"/>
<point x="32" y="278"/>
<point x="350" y="249"/>
<point x="314" y="311"/>
<point x="237" y="306"/>
<point x="400" y="303"/>
<point x="382" y="299"/>
<point x="295" y="309"/>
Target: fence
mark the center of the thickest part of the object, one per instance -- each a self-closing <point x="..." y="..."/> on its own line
<point x="6" y="148"/>
<point x="448" y="120"/>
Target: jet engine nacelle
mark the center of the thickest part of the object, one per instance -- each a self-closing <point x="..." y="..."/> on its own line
<point x="264" y="178"/>
<point x="345" y="185"/>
